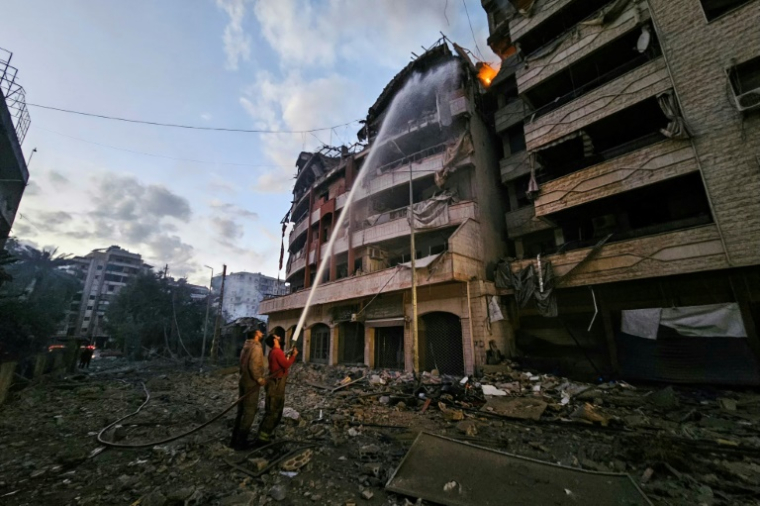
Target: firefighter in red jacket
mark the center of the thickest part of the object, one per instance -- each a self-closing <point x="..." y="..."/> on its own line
<point x="279" y="365"/>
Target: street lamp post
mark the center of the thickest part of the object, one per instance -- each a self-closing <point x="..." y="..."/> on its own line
<point x="208" y="304"/>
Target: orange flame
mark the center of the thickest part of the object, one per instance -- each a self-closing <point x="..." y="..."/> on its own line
<point x="486" y="73"/>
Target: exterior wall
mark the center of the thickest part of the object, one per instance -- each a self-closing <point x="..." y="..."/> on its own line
<point x="244" y="291"/>
<point x="489" y="194"/>
<point x="691" y="250"/>
<point x="641" y="83"/>
<point x="727" y="144"/>
<point x="542" y="10"/>
<point x="524" y="221"/>
<point x="587" y="39"/>
<point x="643" y="167"/>
<point x="510" y="115"/>
<point x="515" y="166"/>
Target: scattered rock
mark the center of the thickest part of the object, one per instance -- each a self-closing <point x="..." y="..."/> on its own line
<point x="241" y="499"/>
<point x="258" y="463"/>
<point x="727" y="404"/>
<point x="277" y="493"/>
<point x="467" y="427"/>
<point x="452" y="485"/>
<point x="155" y="498"/>
<point x="367" y="495"/>
<point x="664" y="399"/>
<point x="647" y="475"/>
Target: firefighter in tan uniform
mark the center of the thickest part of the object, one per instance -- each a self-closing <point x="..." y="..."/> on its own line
<point x="253" y="374"/>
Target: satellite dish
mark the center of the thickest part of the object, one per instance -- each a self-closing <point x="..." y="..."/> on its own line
<point x="644" y="39"/>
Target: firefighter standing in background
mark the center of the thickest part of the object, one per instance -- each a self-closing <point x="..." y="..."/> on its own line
<point x="253" y="375"/>
<point x="279" y="365"/>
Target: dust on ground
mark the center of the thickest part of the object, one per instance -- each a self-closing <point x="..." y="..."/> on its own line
<point x="683" y="445"/>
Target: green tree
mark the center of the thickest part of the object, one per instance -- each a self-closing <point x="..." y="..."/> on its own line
<point x="153" y="312"/>
<point x="34" y="299"/>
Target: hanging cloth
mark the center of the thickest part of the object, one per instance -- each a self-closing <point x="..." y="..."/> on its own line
<point x="677" y="128"/>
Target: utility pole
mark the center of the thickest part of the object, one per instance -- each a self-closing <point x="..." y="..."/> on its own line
<point x="208" y="305"/>
<point x="415" y="330"/>
<point x="218" y="327"/>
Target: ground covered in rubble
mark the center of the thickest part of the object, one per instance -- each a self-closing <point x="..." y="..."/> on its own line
<point x="342" y="439"/>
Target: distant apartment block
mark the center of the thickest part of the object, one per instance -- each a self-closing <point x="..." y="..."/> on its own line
<point x="14" y="123"/>
<point x="103" y="273"/>
<point x="244" y="291"/>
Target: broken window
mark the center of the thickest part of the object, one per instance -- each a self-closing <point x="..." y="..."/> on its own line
<point x="745" y="81"/>
<point x="595" y="70"/>
<point x="543" y="243"/>
<point x="556" y="26"/>
<point x="632" y="128"/>
<point x="521" y="200"/>
<point x="514" y="140"/>
<point x="716" y="8"/>
<point x="667" y="206"/>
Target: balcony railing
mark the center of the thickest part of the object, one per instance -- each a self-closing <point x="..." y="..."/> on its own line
<point x="15" y="96"/>
<point x="593" y="84"/>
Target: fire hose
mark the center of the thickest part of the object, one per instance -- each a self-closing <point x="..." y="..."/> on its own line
<point x="111" y="444"/>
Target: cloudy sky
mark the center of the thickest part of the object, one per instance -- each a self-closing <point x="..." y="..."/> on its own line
<point x="190" y="197"/>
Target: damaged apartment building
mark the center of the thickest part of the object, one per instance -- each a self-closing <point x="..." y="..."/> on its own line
<point x="630" y="147"/>
<point x="14" y="123"/>
<point x="426" y="144"/>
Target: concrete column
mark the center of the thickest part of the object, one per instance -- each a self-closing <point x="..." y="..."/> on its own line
<point x="306" y="344"/>
<point x="369" y="347"/>
<point x="334" y="345"/>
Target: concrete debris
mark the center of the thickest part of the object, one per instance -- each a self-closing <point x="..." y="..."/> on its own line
<point x="492" y="390"/>
<point x="277" y="493"/>
<point x="695" y="442"/>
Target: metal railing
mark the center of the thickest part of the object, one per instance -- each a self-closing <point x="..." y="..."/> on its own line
<point x="15" y="96"/>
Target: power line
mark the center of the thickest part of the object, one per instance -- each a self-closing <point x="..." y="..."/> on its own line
<point x="471" y="30"/>
<point x="189" y="127"/>
<point x="210" y="162"/>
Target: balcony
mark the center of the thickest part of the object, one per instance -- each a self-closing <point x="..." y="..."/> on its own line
<point x="340" y="200"/>
<point x="298" y="263"/>
<point x="690" y="250"/>
<point x="315" y="216"/>
<point x="511" y="114"/>
<point x="575" y="48"/>
<point x="460" y="263"/>
<point x="373" y="183"/>
<point x="524" y="221"/>
<point x="646" y="166"/>
<point x="300" y="228"/>
<point x="645" y="81"/>
<point x="394" y="224"/>
<point x="515" y="166"/>
<point x="543" y="10"/>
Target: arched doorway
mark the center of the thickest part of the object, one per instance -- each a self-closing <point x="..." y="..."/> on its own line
<point x="440" y="343"/>
<point x="319" y="344"/>
<point x="351" y="344"/>
<point x="299" y="343"/>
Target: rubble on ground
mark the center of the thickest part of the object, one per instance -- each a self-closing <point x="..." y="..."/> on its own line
<point x="347" y="429"/>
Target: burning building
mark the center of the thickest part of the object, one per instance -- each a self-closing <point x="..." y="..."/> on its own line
<point x="630" y="136"/>
<point x="427" y="145"/>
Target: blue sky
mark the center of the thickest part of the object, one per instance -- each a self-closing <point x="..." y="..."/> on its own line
<point x="208" y="197"/>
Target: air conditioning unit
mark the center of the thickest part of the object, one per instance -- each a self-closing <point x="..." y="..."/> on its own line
<point x="748" y="101"/>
